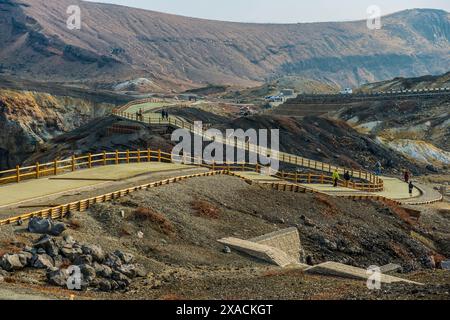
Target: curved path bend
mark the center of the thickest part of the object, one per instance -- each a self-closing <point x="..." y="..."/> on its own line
<point x="392" y="188"/>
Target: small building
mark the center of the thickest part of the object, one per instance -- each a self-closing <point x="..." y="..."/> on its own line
<point x="287" y="92"/>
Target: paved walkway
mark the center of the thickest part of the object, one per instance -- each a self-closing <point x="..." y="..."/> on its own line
<point x="34" y="189"/>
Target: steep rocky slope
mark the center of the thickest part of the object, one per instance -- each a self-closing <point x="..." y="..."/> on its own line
<point x="28" y="119"/>
<point x="118" y="43"/>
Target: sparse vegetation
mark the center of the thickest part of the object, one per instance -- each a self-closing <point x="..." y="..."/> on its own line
<point x="205" y="209"/>
<point x="158" y="219"/>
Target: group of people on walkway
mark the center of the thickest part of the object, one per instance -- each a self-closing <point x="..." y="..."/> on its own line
<point x="140" y="115"/>
<point x="336" y="177"/>
<point x="407" y="177"/>
<point x="378" y="170"/>
<point x="164" y="114"/>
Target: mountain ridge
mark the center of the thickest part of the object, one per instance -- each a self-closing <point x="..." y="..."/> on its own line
<point x="118" y="43"/>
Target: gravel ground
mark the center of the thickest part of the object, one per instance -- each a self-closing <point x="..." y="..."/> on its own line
<point x="180" y="250"/>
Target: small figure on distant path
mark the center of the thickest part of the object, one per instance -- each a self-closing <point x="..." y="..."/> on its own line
<point x="167" y="115"/>
<point x="406" y="176"/>
<point x="163" y="114"/>
<point x="378" y="168"/>
<point x="347" y="178"/>
<point x="411" y="188"/>
<point x="336" y="178"/>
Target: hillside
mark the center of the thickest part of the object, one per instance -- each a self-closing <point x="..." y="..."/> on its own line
<point x="424" y="82"/>
<point x="118" y="43"/>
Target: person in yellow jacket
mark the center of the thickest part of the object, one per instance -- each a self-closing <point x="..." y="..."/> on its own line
<point x="336" y="178"/>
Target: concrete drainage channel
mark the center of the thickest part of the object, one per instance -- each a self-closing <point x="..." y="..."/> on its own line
<point x="283" y="247"/>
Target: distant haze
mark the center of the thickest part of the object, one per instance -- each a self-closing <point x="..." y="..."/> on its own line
<point x="280" y="11"/>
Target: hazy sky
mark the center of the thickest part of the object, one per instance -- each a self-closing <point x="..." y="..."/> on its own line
<point x="279" y="11"/>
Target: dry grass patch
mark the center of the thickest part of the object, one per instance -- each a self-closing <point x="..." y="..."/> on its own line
<point x="205" y="209"/>
<point x="156" y="218"/>
<point x="330" y="207"/>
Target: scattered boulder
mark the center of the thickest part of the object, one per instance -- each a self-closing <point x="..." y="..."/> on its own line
<point x="445" y="265"/>
<point x="11" y="262"/>
<point x="58" y="277"/>
<point x="25" y="257"/>
<point x="88" y="272"/>
<point x="105" y="285"/>
<point x="95" y="251"/>
<point x="83" y="259"/>
<point x="39" y="225"/>
<point x="105" y="272"/>
<point x="121" y="278"/>
<point x="113" y="261"/>
<point x="102" y="271"/>
<point x="126" y="258"/>
<point x="391" y="267"/>
<point x="42" y="261"/>
<point x="58" y="229"/>
<point x="226" y="250"/>
<point x="45" y="226"/>
<point x="71" y="253"/>
<point x="48" y="245"/>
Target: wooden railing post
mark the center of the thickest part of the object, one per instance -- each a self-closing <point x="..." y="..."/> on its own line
<point x="149" y="155"/>
<point x="104" y="158"/>
<point x="159" y="155"/>
<point x="37" y="170"/>
<point x="309" y="177"/>
<point x="117" y="157"/>
<point x="322" y="179"/>
<point x="257" y="167"/>
<point x="73" y="163"/>
<point x="128" y="156"/>
<point x="17" y="174"/>
<point x="90" y="160"/>
<point x="139" y="155"/>
<point x="55" y="167"/>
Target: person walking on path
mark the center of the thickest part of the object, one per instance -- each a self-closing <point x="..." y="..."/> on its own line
<point x="347" y="178"/>
<point x="163" y="114"/>
<point x="411" y="188"/>
<point x="406" y="176"/>
<point x="336" y="178"/>
<point x="378" y="168"/>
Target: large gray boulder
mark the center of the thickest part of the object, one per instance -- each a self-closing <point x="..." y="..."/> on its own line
<point x="95" y="251"/>
<point x="113" y="261"/>
<point x="42" y="261"/>
<point x="39" y="225"/>
<point x="57" y="229"/>
<point x="102" y="271"/>
<point x="25" y="257"/>
<point x="45" y="226"/>
<point x="88" y="272"/>
<point x="58" y="277"/>
<point x="48" y="244"/>
<point x="11" y="262"/>
<point x="70" y="252"/>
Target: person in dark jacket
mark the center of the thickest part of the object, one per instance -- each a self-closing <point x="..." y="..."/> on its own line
<point x="411" y="188"/>
<point x="347" y="178"/>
